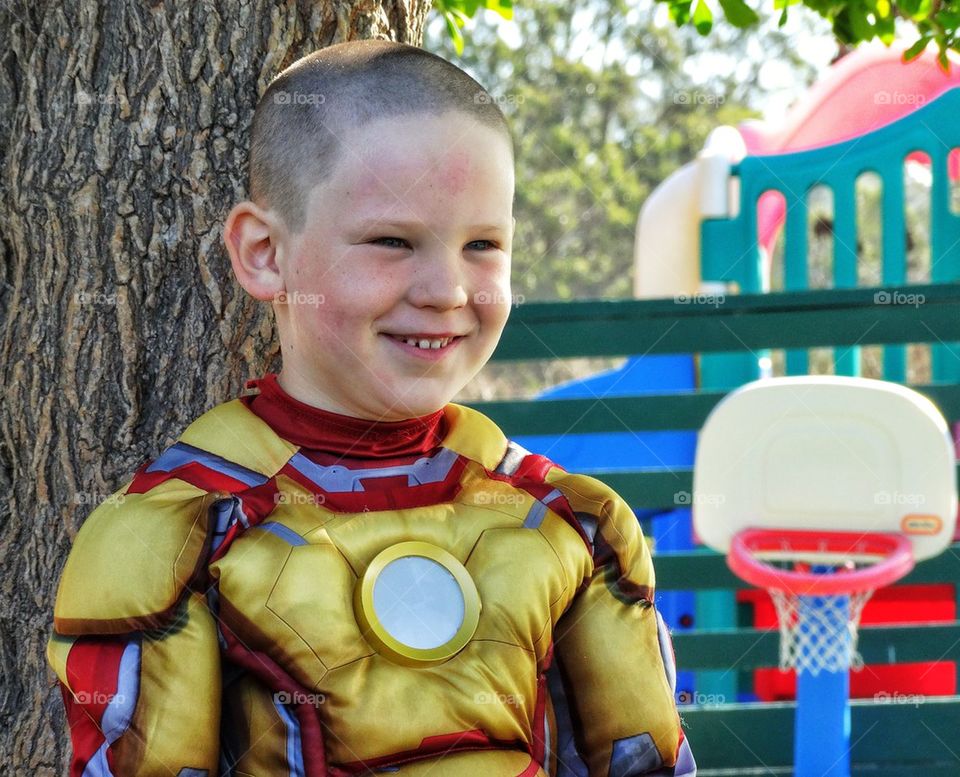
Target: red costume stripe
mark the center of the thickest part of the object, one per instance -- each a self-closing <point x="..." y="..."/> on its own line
<point x="530" y="477"/>
<point x="257" y="503"/>
<point x="195" y="473"/>
<point x="378" y="496"/>
<point x="85" y="736"/>
<point x="272" y="674"/>
<point x="532" y="770"/>
<point x="93" y="671"/>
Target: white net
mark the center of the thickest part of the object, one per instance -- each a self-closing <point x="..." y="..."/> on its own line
<point x="819" y="633"/>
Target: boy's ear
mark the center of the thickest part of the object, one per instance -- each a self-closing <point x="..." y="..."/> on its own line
<point x="251" y="234"/>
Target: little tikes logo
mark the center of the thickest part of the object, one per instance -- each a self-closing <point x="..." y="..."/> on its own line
<point x="917" y="524"/>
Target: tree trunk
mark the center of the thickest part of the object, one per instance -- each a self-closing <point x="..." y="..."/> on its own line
<point x="123" y="143"/>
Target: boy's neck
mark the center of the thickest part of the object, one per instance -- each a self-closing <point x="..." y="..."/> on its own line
<point x="317" y="429"/>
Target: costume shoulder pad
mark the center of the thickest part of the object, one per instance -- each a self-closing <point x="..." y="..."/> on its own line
<point x="137" y="552"/>
<point x="474" y="435"/>
<point x="236" y="434"/>
<point x="132" y="560"/>
<point x="613" y="529"/>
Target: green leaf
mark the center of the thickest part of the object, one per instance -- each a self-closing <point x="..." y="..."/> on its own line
<point x="949" y="20"/>
<point x="842" y="26"/>
<point x="738" y="13"/>
<point x="702" y="18"/>
<point x="859" y="23"/>
<point x="453" y="27"/>
<point x="502" y="7"/>
<point x="943" y="60"/>
<point x="680" y="11"/>
<point x="917" y="48"/>
<point x="885" y="29"/>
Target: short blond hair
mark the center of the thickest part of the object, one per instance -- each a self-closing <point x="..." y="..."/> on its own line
<point x="310" y="109"/>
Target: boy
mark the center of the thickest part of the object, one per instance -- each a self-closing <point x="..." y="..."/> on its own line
<point x="343" y="572"/>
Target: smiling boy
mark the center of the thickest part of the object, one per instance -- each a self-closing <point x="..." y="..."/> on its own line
<point x="408" y="239"/>
<point x="343" y="572"/>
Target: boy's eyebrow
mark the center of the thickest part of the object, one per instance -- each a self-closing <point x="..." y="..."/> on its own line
<point x="382" y="223"/>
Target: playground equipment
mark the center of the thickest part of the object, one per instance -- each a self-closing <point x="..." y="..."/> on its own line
<point x="635" y="428"/>
<point x="840" y="486"/>
<point x="864" y="91"/>
<point x="902" y="733"/>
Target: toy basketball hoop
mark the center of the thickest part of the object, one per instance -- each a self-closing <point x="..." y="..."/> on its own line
<point x="821" y="489"/>
<point x="819" y="583"/>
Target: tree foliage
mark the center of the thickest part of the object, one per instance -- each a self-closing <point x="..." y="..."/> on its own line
<point x="596" y="133"/>
<point x="604" y="103"/>
<point x="853" y="21"/>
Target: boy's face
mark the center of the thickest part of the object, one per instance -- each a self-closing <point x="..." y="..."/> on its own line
<point x="409" y="238"/>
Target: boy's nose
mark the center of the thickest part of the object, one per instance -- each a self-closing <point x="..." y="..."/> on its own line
<point x="438" y="281"/>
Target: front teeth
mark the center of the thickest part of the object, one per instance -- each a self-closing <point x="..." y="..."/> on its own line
<point x="425" y="344"/>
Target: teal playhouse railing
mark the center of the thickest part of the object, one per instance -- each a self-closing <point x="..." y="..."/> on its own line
<point x="891" y="735"/>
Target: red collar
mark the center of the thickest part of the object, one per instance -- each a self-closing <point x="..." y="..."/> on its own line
<point x="317" y="429"/>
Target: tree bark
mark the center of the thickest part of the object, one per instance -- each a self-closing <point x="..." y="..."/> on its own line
<point x="123" y="144"/>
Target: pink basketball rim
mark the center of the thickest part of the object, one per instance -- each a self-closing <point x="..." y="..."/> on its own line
<point x="894" y="554"/>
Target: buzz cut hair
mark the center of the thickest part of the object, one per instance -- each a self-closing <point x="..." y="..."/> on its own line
<point x="310" y="110"/>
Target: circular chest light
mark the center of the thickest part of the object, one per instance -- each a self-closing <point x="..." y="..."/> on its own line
<point x="417" y="604"/>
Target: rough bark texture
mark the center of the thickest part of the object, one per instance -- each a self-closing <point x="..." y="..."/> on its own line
<point x="123" y="137"/>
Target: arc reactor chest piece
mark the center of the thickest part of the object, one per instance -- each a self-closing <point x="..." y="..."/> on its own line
<point x="416" y="604"/>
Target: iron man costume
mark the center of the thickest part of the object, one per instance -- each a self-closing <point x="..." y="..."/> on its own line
<point x="289" y="591"/>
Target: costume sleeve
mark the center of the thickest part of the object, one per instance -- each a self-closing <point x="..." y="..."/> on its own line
<point x="143" y="704"/>
<point x="614" y="651"/>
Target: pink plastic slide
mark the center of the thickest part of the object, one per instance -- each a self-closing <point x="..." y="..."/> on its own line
<point x="861" y="92"/>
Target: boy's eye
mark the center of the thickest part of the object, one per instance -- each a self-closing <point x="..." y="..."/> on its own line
<point x="399" y="242"/>
<point x="391" y="242"/>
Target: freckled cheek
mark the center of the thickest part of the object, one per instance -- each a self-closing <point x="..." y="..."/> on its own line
<point x="349" y="316"/>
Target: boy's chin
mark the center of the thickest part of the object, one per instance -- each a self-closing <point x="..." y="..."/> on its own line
<point x="425" y="403"/>
<point x="404" y="410"/>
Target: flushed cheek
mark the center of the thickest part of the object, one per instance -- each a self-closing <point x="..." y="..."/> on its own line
<point x="492" y="305"/>
<point x="331" y="327"/>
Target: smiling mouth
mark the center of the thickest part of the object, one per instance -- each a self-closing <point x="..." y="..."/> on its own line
<point x="426" y="344"/>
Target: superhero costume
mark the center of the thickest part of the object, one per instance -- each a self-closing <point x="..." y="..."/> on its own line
<point x="289" y="591"/>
